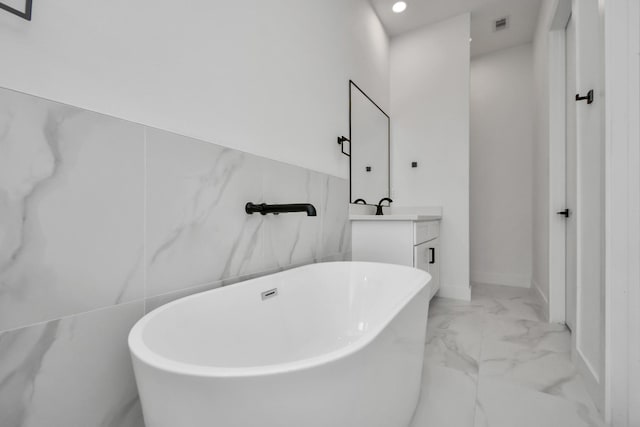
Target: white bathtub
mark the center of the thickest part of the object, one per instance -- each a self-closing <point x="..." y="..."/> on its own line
<point x="340" y="345"/>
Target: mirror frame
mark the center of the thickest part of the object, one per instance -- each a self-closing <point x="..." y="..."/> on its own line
<point x="352" y="84"/>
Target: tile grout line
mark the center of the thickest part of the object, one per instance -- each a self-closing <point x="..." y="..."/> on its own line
<point x="70" y="316"/>
<point x="144" y="221"/>
<point x="144" y="298"/>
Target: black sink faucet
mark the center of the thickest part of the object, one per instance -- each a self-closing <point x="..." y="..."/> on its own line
<point x="264" y="208"/>
<point x="379" y="205"/>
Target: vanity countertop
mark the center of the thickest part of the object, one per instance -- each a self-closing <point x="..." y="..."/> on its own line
<point x="395" y="217"/>
<point x="401" y="214"/>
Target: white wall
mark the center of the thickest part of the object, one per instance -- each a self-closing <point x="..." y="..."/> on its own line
<point x="541" y="206"/>
<point x="502" y="110"/>
<point x="266" y="77"/>
<point x="430" y="125"/>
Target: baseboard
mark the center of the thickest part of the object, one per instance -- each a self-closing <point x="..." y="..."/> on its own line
<point x="542" y="297"/>
<point x="539" y="292"/>
<point x="591" y="378"/>
<point x="462" y="293"/>
<point x="516" y="280"/>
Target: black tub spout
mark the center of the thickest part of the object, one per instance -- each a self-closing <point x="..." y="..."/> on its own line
<point x="265" y="209"/>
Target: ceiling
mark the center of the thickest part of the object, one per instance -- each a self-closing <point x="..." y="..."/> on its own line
<point x="523" y="17"/>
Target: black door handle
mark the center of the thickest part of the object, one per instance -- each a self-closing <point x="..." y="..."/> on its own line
<point x="565" y="213"/>
<point x="588" y="98"/>
<point x="433" y="255"/>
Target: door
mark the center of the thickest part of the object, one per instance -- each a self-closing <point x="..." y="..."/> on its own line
<point x="571" y="179"/>
<point x="586" y="194"/>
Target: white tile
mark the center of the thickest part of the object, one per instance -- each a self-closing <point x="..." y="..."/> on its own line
<point x="71" y="372"/>
<point x="454" y="341"/>
<point x="533" y="334"/>
<point x="197" y="229"/>
<point x="501" y="404"/>
<point x="524" y="371"/>
<point x="515" y="307"/>
<point x="447" y="399"/>
<point x="336" y="228"/>
<point x="538" y="369"/>
<point x="160" y="300"/>
<point x="71" y="210"/>
<point x="292" y="238"/>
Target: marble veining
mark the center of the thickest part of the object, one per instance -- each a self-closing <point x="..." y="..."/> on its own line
<point x="197" y="230"/>
<point x="103" y="219"/>
<point x="494" y="362"/>
<point x="63" y="208"/>
<point x="335" y="230"/>
<point x="291" y="239"/>
<point x="63" y="373"/>
<point x="21" y="377"/>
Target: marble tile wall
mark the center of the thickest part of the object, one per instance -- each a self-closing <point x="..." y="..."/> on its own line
<point x="102" y="220"/>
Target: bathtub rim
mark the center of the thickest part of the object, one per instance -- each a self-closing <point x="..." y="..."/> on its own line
<point x="140" y="351"/>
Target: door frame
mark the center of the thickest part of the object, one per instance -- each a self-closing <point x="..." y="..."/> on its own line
<point x="557" y="161"/>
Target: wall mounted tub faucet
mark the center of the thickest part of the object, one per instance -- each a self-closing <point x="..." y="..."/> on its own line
<point x="265" y="209"/>
<point x="379" y="205"/>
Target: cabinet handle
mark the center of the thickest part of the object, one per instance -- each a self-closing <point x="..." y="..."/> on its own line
<point x="432" y="251"/>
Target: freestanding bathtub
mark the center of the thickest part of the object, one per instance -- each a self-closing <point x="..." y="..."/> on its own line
<point x="325" y="345"/>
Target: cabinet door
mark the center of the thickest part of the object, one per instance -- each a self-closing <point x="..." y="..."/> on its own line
<point x="422" y="256"/>
<point x="434" y="264"/>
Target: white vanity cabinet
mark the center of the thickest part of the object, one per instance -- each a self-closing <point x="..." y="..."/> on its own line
<point x="413" y="241"/>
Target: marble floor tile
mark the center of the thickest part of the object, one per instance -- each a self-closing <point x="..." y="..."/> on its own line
<point x="500" y="404"/>
<point x="497" y="347"/>
<point x="507" y="301"/>
<point x="448" y="399"/>
<point x="538" y="369"/>
<point x="515" y="307"/>
<point x="533" y="334"/>
<point x="454" y="341"/>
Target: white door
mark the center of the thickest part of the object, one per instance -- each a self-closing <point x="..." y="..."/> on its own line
<point x="571" y="179"/>
<point x="585" y="194"/>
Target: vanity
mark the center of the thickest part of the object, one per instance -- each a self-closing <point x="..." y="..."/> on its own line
<point x="405" y="238"/>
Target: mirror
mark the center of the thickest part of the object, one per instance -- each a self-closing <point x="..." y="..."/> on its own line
<point x="369" y="133"/>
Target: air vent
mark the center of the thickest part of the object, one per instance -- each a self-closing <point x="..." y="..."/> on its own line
<point x="501" y="24"/>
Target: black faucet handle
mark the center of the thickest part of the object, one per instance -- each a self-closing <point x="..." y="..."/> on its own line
<point x="357" y="201"/>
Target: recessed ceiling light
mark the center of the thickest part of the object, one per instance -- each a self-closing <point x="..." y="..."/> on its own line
<point x="399" y="7"/>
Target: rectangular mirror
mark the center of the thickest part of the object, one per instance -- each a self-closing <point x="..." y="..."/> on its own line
<point x="369" y="133"/>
